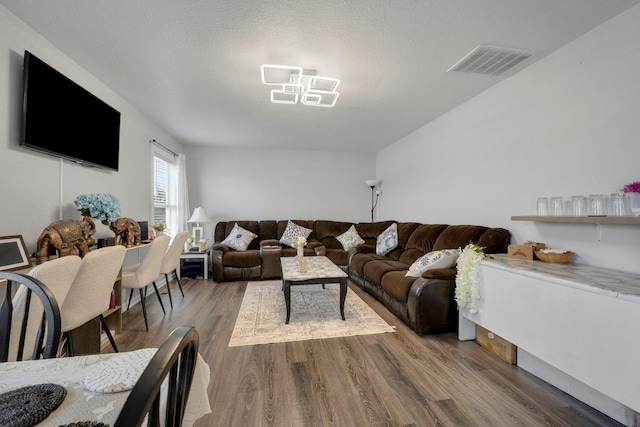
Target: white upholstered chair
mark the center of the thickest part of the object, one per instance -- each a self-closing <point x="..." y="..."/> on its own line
<point x="30" y="321"/>
<point x="171" y="261"/>
<point x="139" y="276"/>
<point x="90" y="292"/>
<point x="57" y="275"/>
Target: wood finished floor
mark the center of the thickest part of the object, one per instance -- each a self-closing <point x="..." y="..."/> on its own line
<point x="393" y="379"/>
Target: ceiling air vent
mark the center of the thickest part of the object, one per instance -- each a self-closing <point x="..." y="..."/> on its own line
<point x="490" y="60"/>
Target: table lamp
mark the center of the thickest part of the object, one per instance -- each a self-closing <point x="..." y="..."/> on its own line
<point x="199" y="216"/>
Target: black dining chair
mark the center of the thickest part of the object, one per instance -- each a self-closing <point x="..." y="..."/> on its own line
<point x="16" y="329"/>
<point x="174" y="362"/>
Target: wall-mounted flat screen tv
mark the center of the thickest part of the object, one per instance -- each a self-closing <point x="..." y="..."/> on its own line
<point x="63" y="119"/>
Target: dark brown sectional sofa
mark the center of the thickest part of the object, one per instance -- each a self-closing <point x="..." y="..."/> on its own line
<point x="425" y="303"/>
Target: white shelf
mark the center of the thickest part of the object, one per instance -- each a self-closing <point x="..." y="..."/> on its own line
<point x="632" y="220"/>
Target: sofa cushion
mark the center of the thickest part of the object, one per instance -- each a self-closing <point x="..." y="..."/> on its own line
<point x="350" y="239"/>
<point x="292" y="232"/>
<point x="397" y="285"/>
<point x="360" y="260"/>
<point x="239" y="238"/>
<point x="494" y="240"/>
<point x="338" y="256"/>
<point x="375" y="269"/>
<point x="248" y="258"/>
<point x="421" y="242"/>
<point x="445" y="258"/>
<point x="387" y="240"/>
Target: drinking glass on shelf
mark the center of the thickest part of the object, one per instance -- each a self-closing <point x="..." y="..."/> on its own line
<point x="597" y="205"/>
<point x="633" y="203"/>
<point x="578" y="206"/>
<point x="618" y="204"/>
<point x="556" y="206"/>
<point x="543" y="206"/>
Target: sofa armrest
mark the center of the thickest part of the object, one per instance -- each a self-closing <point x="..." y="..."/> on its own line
<point x="270" y="242"/>
<point x="270" y="265"/>
<point x="441" y="273"/>
<point x="431" y="306"/>
<point x="217" y="268"/>
<point x="220" y="247"/>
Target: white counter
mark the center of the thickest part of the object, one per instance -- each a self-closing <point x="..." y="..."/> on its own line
<point x="583" y="321"/>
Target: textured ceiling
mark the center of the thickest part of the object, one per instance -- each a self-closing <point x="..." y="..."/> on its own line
<point x="194" y="66"/>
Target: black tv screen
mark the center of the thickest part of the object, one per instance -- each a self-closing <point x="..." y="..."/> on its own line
<point x="63" y="119"/>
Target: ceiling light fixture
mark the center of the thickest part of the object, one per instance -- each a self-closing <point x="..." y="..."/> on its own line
<point x="298" y="84"/>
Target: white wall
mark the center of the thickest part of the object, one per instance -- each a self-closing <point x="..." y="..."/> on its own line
<point x="35" y="186"/>
<point x="567" y="125"/>
<point x="240" y="184"/>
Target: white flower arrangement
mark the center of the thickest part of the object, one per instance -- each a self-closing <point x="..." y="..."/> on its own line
<point x="300" y="242"/>
<point x="467" y="293"/>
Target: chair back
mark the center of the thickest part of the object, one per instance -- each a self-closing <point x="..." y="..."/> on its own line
<point x="171" y="259"/>
<point x="15" y="330"/>
<point x="57" y="275"/>
<point x="175" y="359"/>
<point x="90" y="291"/>
<point x="149" y="269"/>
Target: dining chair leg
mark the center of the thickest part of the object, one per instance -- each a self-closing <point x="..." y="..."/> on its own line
<point x="130" y="295"/>
<point x="108" y="332"/>
<point x="175" y="272"/>
<point x="70" y="351"/>
<point x="144" y="309"/>
<point x="158" y="295"/>
<point x="166" y="277"/>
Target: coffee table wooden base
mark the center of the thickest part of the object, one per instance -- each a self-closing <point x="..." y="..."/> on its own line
<point x="319" y="281"/>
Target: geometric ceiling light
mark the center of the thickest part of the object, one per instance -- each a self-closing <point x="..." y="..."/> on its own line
<point x="295" y="84"/>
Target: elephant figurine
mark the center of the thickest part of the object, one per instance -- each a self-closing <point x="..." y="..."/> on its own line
<point x="127" y="232"/>
<point x="67" y="237"/>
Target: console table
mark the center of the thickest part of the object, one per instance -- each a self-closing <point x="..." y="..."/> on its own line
<point x="581" y="320"/>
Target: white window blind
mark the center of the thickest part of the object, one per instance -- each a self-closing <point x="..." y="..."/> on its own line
<point x="165" y="193"/>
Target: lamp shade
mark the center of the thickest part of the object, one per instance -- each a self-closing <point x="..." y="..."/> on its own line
<point x="199" y="216"/>
<point x="372" y="182"/>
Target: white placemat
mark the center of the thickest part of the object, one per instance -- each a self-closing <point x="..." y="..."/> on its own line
<point x="119" y="373"/>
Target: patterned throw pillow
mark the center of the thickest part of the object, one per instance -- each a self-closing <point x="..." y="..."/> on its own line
<point x="239" y="238"/>
<point x="445" y="258"/>
<point x="350" y="238"/>
<point x="387" y="240"/>
<point x="292" y="232"/>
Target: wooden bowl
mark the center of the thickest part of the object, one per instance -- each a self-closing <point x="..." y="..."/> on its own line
<point x="555" y="258"/>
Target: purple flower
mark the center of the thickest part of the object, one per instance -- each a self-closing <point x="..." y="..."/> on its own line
<point x="634" y="187"/>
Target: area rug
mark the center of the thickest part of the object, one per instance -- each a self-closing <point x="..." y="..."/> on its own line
<point x="315" y="314"/>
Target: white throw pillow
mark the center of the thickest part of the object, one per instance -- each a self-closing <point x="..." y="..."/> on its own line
<point x="350" y="238"/>
<point x="387" y="240"/>
<point x="445" y="258"/>
<point x="292" y="232"/>
<point x="239" y="238"/>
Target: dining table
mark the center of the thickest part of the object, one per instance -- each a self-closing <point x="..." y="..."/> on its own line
<point x="94" y="384"/>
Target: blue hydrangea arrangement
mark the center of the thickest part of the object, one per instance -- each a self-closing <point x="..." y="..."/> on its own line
<point x="103" y="207"/>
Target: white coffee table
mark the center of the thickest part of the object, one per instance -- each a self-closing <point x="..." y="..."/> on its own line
<point x="320" y="270"/>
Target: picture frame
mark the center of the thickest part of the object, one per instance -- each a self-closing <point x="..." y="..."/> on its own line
<point x="13" y="253"/>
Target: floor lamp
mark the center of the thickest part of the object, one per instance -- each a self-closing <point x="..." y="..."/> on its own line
<point x="199" y="216"/>
<point x="374" y="201"/>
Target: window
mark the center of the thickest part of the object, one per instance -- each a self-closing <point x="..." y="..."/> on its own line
<point x="165" y="192"/>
